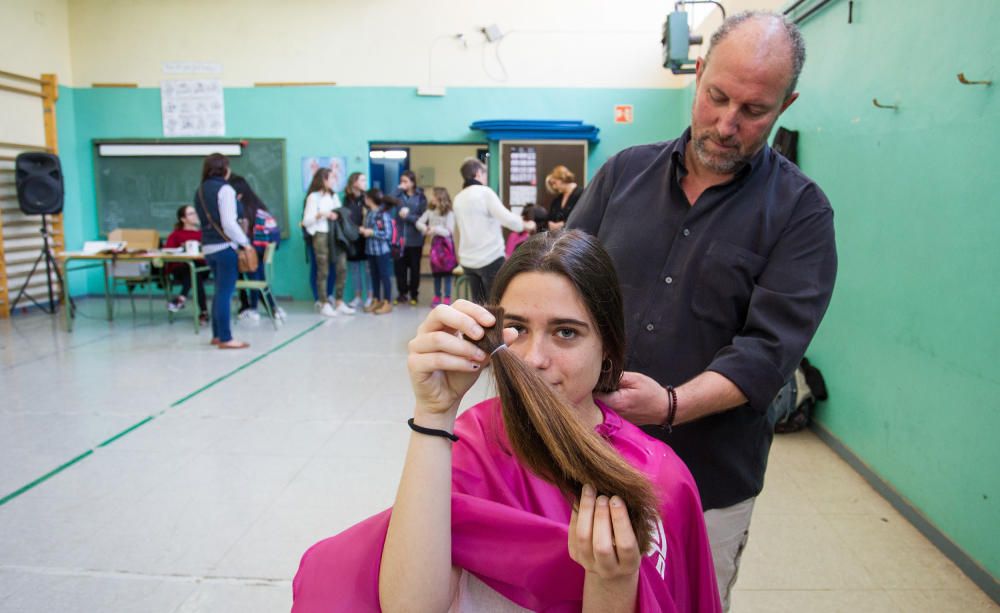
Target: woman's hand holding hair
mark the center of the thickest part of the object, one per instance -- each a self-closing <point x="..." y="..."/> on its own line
<point x="443" y="363"/>
<point x="602" y="541"/>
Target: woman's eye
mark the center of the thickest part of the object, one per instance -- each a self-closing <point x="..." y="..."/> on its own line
<point x="566" y="333"/>
<point x="517" y="327"/>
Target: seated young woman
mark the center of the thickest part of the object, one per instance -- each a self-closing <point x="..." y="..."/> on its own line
<point x="541" y="499"/>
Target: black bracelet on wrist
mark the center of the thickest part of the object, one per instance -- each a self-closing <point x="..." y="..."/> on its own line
<point x="432" y="431"/>
<point x="671" y="408"/>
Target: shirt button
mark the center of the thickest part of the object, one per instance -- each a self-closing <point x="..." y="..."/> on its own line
<point x="668" y="280"/>
<point x="649" y="327"/>
<point x="687" y="232"/>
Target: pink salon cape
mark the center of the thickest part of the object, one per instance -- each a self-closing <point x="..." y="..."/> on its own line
<point x="509" y="528"/>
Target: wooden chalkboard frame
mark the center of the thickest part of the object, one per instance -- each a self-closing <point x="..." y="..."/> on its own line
<point x="276" y="199"/>
<point x="550" y="153"/>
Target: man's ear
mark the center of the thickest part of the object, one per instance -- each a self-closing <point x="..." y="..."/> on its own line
<point x="788" y="102"/>
<point x="699" y="67"/>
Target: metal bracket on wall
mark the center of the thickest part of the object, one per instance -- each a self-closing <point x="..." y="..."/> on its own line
<point x="964" y="81"/>
<point x="879" y="105"/>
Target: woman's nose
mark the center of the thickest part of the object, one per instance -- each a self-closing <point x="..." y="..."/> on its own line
<point x="536" y="354"/>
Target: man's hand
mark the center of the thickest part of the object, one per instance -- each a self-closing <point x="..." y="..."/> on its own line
<point x="639" y="399"/>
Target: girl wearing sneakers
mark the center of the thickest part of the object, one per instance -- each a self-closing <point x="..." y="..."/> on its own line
<point x="438" y="222"/>
<point x="378" y="230"/>
<point x="357" y="262"/>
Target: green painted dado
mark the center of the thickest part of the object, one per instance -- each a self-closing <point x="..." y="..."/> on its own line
<point x="911" y="343"/>
<point x="341" y="121"/>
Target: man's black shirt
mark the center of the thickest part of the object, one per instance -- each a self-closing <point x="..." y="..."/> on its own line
<point x="736" y="284"/>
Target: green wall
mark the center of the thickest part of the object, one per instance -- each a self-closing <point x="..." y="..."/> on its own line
<point x="911" y="344"/>
<point x="339" y="121"/>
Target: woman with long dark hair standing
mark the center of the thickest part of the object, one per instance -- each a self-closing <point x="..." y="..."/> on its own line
<point x="412" y="204"/>
<point x="357" y="262"/>
<point x="221" y="236"/>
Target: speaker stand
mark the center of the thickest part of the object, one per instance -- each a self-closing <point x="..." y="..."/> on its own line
<point x="50" y="266"/>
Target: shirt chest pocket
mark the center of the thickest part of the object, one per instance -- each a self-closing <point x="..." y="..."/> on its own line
<point x="725" y="283"/>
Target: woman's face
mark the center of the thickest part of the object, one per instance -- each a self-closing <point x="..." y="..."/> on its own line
<point x="361" y="183"/>
<point x="191" y="217"/>
<point x="330" y="181"/>
<point x="405" y="184"/>
<point x="556" y="334"/>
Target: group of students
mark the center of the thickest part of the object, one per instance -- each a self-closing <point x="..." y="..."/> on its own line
<point x="227" y="214"/>
<point x="385" y="233"/>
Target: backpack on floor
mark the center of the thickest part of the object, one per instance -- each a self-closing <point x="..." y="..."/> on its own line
<point x="792" y="408"/>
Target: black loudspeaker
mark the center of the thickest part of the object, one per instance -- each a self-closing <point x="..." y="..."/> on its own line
<point x="39" y="183"/>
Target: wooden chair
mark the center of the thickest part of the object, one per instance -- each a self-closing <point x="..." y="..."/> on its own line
<point x="134" y="275"/>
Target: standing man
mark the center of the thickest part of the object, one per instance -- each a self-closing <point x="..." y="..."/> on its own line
<point x="726" y="256"/>
<point x="479" y="215"/>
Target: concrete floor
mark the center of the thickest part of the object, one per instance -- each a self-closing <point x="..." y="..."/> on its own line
<point x="251" y="456"/>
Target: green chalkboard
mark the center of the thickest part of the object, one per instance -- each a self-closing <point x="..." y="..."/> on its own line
<point x="145" y="191"/>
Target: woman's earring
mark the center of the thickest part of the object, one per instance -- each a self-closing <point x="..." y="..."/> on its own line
<point x="609" y="366"/>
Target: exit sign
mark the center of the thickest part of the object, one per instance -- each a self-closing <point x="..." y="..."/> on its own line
<point x="623" y="113"/>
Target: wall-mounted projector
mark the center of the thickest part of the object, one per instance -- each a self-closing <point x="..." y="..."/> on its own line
<point x="676" y="41"/>
<point x="677" y="38"/>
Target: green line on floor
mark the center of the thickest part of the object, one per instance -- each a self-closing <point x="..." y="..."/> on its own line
<point x="150" y="418"/>
<point x="47" y="475"/>
<point x="126" y="431"/>
<point x="250" y="363"/>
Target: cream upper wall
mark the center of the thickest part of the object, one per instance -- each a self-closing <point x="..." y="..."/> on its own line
<point x="555" y="43"/>
<point x="562" y="43"/>
<point x="34" y="40"/>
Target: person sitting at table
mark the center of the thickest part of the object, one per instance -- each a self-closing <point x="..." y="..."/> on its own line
<point x="187" y="228"/>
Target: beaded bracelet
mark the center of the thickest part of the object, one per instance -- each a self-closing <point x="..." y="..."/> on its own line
<point x="671" y="408"/>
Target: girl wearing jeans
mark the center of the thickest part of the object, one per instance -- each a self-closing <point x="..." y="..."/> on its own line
<point x="357" y="263"/>
<point x="378" y="232"/>
<point x="439" y="221"/>
<point x="221" y="236"/>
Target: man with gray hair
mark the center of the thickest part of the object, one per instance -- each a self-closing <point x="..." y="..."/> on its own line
<point x="726" y="256"/>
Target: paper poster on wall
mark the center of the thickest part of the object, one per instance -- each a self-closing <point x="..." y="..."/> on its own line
<point x="523" y="176"/>
<point x="192" y="107"/>
<point x="336" y="164"/>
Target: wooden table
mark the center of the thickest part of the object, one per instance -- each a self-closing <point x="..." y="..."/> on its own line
<point x="155" y="258"/>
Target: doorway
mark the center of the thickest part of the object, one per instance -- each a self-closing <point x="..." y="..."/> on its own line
<point x="435" y="164"/>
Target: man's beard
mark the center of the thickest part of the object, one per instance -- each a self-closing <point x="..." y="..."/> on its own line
<point x="725" y="163"/>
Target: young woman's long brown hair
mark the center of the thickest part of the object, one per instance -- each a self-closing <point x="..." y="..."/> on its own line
<point x="544" y="430"/>
<point x="318" y="183"/>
